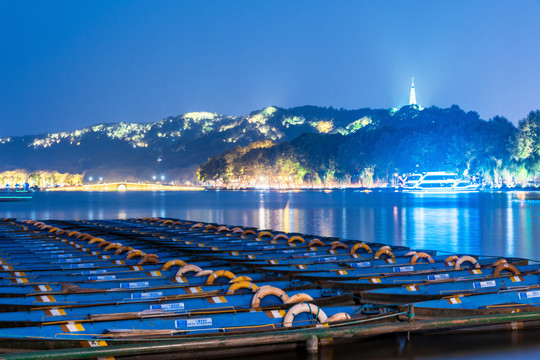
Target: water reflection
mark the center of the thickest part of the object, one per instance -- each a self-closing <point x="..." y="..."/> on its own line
<point x="486" y="223"/>
<point x="515" y="345"/>
<point x="510" y="228"/>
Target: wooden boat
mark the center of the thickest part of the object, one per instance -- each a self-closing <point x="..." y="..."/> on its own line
<point x="206" y="302"/>
<point x="356" y="286"/>
<point x="15" y="195"/>
<point x="105" y="296"/>
<point x="422" y="292"/>
<point x="526" y="299"/>
<point x="300" y="315"/>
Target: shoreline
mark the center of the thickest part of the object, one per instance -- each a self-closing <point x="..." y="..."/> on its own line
<point x="124" y="186"/>
<point x="133" y="187"/>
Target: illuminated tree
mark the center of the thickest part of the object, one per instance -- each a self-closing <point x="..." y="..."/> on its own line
<point x="527" y="143"/>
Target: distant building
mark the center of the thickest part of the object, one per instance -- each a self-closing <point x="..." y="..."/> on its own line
<point x="412" y="98"/>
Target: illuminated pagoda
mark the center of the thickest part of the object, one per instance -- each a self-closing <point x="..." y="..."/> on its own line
<point x="412" y="98"/>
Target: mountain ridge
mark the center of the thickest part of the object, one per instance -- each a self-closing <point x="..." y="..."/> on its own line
<point x="173" y="147"/>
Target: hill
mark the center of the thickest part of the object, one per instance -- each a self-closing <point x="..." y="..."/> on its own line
<point x="174" y="147"/>
<point x="381" y="146"/>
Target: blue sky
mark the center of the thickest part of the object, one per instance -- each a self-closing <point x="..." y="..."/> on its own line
<point x="70" y="64"/>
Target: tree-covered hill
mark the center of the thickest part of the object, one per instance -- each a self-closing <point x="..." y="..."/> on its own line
<point x="381" y="145"/>
<point x="175" y="146"/>
<point x="302" y="145"/>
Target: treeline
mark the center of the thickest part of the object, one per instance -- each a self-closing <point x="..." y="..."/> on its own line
<point x="411" y="140"/>
<point x="41" y="179"/>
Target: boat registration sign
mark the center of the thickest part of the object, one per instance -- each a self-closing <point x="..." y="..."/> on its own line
<point x="484" y="284"/>
<point x="529" y="294"/>
<point x="360" y="264"/>
<point x="168" y="307"/>
<point x="81" y="266"/>
<point x="403" y="268"/>
<point x="60" y="256"/>
<point x="438" y="277"/>
<point x="193" y="323"/>
<point x="94" y="272"/>
<point x="146" y="295"/>
<point x="102" y="277"/>
<point x="135" y="285"/>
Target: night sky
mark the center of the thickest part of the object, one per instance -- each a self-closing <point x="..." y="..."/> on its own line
<point x="69" y="64"/>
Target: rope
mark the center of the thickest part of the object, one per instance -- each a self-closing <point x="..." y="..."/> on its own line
<point x="313" y="316"/>
<point x="376" y="305"/>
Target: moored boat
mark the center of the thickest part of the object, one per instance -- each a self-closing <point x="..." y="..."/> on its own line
<point x="438" y="182"/>
<point x="430" y="291"/>
<point x="15" y="195"/>
<point x="142" y="279"/>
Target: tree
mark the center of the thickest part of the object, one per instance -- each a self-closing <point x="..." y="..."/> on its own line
<point x="527" y="143"/>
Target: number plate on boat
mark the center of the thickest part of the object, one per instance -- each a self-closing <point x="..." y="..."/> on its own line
<point x="193" y="322"/>
<point x="404" y="268"/>
<point x="134" y="285"/>
<point x="360" y="264"/>
<point x="529" y="294"/>
<point x="484" y="284"/>
<point x="168" y="307"/>
<point x="438" y="277"/>
<point x="94" y="272"/>
<point x="81" y="266"/>
<point x="102" y="277"/>
<point x="59" y="256"/>
<point x="148" y="295"/>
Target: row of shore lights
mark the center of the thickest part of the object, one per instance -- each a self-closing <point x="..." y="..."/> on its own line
<point x="91" y="178"/>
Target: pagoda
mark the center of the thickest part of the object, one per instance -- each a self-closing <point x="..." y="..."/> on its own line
<point x="412" y="98"/>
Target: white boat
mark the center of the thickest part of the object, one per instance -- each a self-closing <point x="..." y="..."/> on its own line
<point x="438" y="182"/>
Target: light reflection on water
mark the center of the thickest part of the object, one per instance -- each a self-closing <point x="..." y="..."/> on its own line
<point x="481" y="223"/>
<point x="488" y="345"/>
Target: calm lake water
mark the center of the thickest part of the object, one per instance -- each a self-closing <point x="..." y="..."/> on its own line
<point x="505" y="223"/>
<point x="499" y="224"/>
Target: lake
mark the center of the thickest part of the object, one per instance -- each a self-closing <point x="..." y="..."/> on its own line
<point x="498" y="224"/>
<point x="491" y="223"/>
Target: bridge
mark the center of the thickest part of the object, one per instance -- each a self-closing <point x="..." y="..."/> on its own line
<point x="126" y="186"/>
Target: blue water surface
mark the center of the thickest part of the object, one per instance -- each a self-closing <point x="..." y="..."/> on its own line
<point x="486" y="223"/>
<point x="499" y="224"/>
